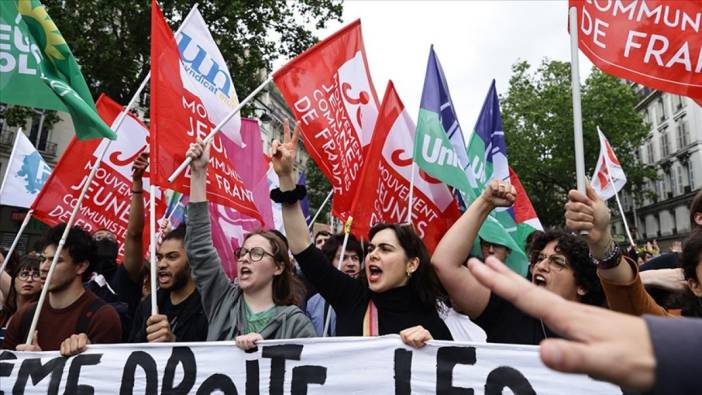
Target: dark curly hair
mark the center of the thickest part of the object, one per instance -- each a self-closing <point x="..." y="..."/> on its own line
<point x="28" y="262"/>
<point x="79" y="244"/>
<point x="578" y="254"/>
<point x="690" y="259"/>
<point x="424" y="284"/>
<point x="336" y="241"/>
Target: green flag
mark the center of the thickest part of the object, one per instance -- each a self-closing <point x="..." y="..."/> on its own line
<point x="37" y="69"/>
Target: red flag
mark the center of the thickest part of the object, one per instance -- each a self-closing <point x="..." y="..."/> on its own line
<point x="177" y="118"/>
<point x="329" y="89"/>
<point x="384" y="185"/>
<point x="106" y="203"/>
<point x="655" y="42"/>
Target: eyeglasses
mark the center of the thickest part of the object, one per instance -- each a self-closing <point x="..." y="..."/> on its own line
<point x="255" y="254"/>
<point x="487" y="244"/>
<point x="26" y="274"/>
<point x="555" y="262"/>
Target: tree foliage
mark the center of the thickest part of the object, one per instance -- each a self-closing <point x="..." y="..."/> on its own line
<point x="111" y="39"/>
<point x="538" y="121"/>
<point x="318" y="188"/>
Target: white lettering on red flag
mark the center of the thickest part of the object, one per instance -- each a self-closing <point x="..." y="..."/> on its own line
<point x="385" y="182"/>
<point x="178" y="118"/>
<point x="655" y="42"/>
<point x="329" y="89"/>
<point x="106" y="203"/>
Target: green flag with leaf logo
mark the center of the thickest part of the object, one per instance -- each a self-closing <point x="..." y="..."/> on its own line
<point x="37" y="69"/>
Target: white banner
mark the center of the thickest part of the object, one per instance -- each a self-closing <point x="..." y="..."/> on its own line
<point x="380" y="365"/>
<point x="26" y="174"/>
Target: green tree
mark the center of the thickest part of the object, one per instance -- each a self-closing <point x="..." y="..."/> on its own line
<point x="111" y="41"/>
<point x="318" y="188"/>
<point x="538" y="121"/>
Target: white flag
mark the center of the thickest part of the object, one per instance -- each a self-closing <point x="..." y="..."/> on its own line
<point x="205" y="74"/>
<point x="25" y="176"/>
<point x="609" y="176"/>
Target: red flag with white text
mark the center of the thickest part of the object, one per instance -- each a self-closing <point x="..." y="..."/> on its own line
<point x="383" y="190"/>
<point x="655" y="43"/>
<point x="330" y="91"/>
<point x="106" y="203"/>
<point x="178" y="117"/>
<point x="609" y="176"/>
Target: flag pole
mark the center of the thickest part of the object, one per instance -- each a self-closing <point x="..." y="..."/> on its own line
<point x="619" y="203"/>
<point x="410" y="198"/>
<point x="319" y="210"/>
<point x="219" y="126"/>
<point x="27" y="217"/>
<point x="152" y="247"/>
<point x="89" y="180"/>
<point x="347" y="232"/>
<point x="577" y="110"/>
<point x="64" y="236"/>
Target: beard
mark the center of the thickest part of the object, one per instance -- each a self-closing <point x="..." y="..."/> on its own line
<point x="180" y="279"/>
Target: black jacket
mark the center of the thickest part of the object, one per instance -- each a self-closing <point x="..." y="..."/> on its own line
<point x="189" y="326"/>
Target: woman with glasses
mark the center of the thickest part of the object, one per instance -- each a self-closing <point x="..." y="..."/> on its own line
<point x="261" y="304"/>
<point x="397" y="292"/>
<point x="25" y="286"/>
<point x="559" y="262"/>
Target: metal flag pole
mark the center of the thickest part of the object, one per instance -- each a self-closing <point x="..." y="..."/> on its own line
<point x="347" y="232"/>
<point x="410" y="198"/>
<point x="152" y="247"/>
<point x="219" y="126"/>
<point x="27" y="217"/>
<point x="319" y="210"/>
<point x="93" y="171"/>
<point x="577" y="110"/>
<point x="619" y="203"/>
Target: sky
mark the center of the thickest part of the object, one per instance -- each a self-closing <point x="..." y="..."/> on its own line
<point x="475" y="42"/>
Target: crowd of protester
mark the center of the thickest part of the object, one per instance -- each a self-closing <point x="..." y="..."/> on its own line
<point x="581" y="300"/>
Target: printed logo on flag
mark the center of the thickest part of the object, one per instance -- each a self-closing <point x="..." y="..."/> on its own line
<point x="356" y="93"/>
<point x="34" y="171"/>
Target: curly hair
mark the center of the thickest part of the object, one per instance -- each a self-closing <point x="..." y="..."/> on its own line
<point x="690" y="259"/>
<point x="578" y="255"/>
<point x="79" y="244"/>
<point x="424" y="283"/>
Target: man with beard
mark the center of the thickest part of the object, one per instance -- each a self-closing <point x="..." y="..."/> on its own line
<point x="181" y="317"/>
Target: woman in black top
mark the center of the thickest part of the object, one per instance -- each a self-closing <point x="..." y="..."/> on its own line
<point x="398" y="291"/>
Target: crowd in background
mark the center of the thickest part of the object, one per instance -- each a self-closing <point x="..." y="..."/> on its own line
<point x="298" y="286"/>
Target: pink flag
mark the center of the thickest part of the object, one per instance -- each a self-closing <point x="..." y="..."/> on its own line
<point x="228" y="225"/>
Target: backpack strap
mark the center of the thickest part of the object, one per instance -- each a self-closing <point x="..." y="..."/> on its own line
<point x="87" y="316"/>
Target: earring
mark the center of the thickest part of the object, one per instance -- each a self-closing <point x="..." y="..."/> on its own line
<point x="409" y="274"/>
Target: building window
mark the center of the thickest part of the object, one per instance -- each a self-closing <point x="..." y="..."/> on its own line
<point x="661" y="109"/>
<point x="665" y="149"/>
<point x="38" y="138"/>
<point x="678" y="102"/>
<point x="646" y="117"/>
<point x="681" y="170"/>
<point x="649" y="149"/>
<point x="683" y="132"/>
<point x="691" y="177"/>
